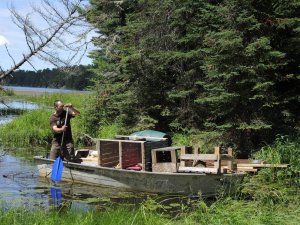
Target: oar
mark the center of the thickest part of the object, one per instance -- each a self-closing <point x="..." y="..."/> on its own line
<point x="58" y="165"/>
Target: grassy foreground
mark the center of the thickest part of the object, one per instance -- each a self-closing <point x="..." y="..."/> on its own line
<point x="225" y="211"/>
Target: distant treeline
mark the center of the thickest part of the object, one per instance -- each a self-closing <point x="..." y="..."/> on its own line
<point x="77" y="77"/>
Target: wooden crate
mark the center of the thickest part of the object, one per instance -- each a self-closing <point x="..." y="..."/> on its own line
<point x="165" y="159"/>
<point x="125" y="153"/>
<point x="205" y="159"/>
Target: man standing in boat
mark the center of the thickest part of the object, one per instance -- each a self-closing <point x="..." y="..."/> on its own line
<point x="62" y="142"/>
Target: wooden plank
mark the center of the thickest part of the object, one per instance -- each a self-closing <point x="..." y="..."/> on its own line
<point x="143" y="156"/>
<point x="109" y="154"/>
<point x="168" y="148"/>
<point x="218" y="163"/>
<point x="262" y="165"/>
<point x="198" y="157"/>
<point x="197" y="169"/>
<point x="98" y="151"/>
<point x="246" y="169"/>
<point x="164" y="167"/>
<point x="120" y="154"/>
<point x="109" y="164"/>
<point x="89" y="159"/>
<point x="112" y="159"/>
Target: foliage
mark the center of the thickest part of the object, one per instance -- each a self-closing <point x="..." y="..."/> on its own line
<point x="108" y="131"/>
<point x="76" y="77"/>
<point x="228" y="67"/>
<point x="285" y="150"/>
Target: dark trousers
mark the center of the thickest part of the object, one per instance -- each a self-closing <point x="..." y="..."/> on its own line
<point x="66" y="151"/>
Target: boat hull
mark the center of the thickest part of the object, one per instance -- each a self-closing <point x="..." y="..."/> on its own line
<point x="181" y="183"/>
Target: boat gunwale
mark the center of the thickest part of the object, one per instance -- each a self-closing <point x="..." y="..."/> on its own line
<point x="77" y="165"/>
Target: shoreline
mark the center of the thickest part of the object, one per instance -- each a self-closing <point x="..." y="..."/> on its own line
<point x="20" y="90"/>
<point x="32" y="92"/>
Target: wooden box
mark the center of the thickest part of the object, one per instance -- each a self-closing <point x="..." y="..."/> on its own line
<point x="165" y="159"/>
<point x="126" y="153"/>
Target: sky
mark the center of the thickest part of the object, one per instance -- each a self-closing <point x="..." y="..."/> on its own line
<point x="13" y="36"/>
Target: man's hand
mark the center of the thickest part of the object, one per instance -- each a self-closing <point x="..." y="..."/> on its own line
<point x="69" y="105"/>
<point x="64" y="128"/>
<point x="74" y="111"/>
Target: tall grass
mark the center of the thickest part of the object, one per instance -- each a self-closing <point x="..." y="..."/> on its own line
<point x="120" y="215"/>
<point x="285" y="150"/>
<point x="224" y="211"/>
<point x="31" y="128"/>
<point x="47" y="99"/>
<point x="108" y="130"/>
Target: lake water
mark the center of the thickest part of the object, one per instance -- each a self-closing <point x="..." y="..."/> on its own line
<point x="39" y="89"/>
<point x="20" y="186"/>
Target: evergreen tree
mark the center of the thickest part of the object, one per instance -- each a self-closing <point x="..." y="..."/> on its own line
<point x="226" y="66"/>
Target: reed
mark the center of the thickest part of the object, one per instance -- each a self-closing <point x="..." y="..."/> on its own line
<point x="120" y="215"/>
<point x="29" y="129"/>
<point x="222" y="211"/>
<point x="47" y="99"/>
<point x="286" y="150"/>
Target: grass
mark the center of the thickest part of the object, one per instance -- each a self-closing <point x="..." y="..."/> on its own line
<point x="29" y="129"/>
<point x="222" y="211"/>
<point x="32" y="127"/>
<point x="48" y="99"/>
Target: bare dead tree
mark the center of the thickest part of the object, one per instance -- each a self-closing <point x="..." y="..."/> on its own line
<point x="63" y="30"/>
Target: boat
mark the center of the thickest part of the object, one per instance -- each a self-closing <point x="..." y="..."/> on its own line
<point x="148" y="165"/>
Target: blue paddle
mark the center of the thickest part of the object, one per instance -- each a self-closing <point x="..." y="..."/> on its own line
<point x="58" y="165"/>
<point x="56" y="196"/>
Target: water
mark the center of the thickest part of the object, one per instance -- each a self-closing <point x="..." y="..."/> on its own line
<point x="6" y="119"/>
<point x="38" y="89"/>
<point x="12" y="108"/>
<point x="17" y="105"/>
<point x="20" y="186"/>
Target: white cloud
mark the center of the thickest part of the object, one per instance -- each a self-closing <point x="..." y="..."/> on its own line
<point x="3" y="40"/>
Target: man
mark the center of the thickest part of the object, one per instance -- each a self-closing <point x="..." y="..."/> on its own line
<point x="62" y="142"/>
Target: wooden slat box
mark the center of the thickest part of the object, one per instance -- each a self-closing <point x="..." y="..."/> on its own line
<point x="125" y="153"/>
<point x="165" y="159"/>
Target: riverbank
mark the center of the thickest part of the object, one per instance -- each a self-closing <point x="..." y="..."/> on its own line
<point x="30" y="93"/>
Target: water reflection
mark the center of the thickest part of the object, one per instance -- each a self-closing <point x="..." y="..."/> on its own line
<point x="10" y="109"/>
<point x="6" y="119"/>
<point x="18" y="105"/>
